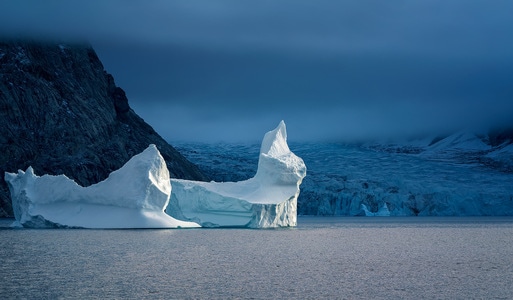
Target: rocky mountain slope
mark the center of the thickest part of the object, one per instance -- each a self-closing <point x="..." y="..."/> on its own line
<point x="61" y="113"/>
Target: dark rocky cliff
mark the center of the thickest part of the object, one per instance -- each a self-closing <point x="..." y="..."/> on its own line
<point x="61" y="113"/>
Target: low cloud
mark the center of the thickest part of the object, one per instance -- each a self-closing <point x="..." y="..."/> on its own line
<point x="226" y="70"/>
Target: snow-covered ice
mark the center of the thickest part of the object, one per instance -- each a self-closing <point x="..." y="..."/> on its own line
<point x="269" y="199"/>
<point x="461" y="141"/>
<point x="134" y="196"/>
<point x="501" y="157"/>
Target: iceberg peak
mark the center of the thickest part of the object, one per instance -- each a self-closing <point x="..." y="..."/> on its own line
<point x="275" y="141"/>
<point x="276" y="163"/>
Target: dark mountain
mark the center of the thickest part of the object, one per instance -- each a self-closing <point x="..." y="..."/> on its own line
<point x="61" y="113"/>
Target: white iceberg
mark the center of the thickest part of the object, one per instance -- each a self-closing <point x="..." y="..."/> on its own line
<point x="269" y="199"/>
<point x="383" y="211"/>
<point x="134" y="196"/>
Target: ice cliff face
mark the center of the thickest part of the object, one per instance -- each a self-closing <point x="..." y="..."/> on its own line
<point x="269" y="199"/>
<point x="134" y="196"/>
<point x="61" y="113"/>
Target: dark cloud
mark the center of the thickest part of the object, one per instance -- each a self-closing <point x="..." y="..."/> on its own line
<point x="230" y="70"/>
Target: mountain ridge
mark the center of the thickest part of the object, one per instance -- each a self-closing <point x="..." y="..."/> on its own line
<point x="62" y="113"/>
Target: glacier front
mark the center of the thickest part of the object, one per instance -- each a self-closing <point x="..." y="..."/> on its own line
<point x="267" y="200"/>
<point x="134" y="196"/>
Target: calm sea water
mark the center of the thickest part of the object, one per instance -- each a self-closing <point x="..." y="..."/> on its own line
<point x="328" y="258"/>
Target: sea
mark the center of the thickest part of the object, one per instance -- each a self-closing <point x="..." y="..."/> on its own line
<point x="321" y="258"/>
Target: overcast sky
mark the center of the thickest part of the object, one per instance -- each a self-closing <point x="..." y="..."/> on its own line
<point x="231" y="70"/>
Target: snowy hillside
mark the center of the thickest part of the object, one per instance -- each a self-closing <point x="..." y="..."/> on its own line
<point x="459" y="175"/>
<point x="460" y="147"/>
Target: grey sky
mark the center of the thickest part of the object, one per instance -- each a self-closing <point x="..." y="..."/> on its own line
<point x="231" y="70"/>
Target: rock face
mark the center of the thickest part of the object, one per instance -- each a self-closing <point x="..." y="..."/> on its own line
<point x="61" y="113"/>
<point x="134" y="196"/>
<point x="267" y="200"/>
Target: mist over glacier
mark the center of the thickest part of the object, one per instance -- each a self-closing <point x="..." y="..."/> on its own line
<point x="334" y="70"/>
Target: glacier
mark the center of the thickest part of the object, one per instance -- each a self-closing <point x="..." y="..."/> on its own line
<point x="134" y="196"/>
<point x="267" y="200"/>
<point x="427" y="176"/>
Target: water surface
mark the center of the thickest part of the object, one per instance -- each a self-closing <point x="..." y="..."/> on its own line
<point x="330" y="258"/>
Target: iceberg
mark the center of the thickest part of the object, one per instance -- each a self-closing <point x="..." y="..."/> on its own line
<point x="382" y="211"/>
<point x="135" y="196"/>
<point x="267" y="200"/>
